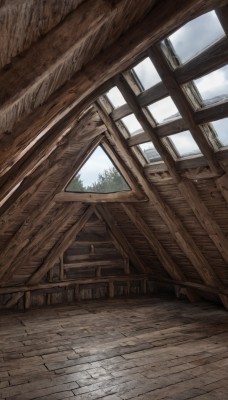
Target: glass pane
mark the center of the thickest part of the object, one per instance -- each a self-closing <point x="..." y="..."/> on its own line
<point x="214" y="86"/>
<point x="146" y="74"/>
<point x="221" y="129"/>
<point x="98" y="175"/>
<point x="184" y="144"/>
<point x="132" y="124"/>
<point x="164" y="110"/>
<point x="115" y="97"/>
<point x="149" y="152"/>
<point x="196" y="35"/>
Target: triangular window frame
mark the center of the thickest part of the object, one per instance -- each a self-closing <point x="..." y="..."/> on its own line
<point x="135" y="194"/>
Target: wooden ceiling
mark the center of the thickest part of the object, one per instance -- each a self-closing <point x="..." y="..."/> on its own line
<point x="57" y="59"/>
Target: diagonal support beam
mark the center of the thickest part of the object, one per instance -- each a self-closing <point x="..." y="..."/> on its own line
<point x="129" y="249"/>
<point x="167" y="262"/>
<point x="175" y="225"/>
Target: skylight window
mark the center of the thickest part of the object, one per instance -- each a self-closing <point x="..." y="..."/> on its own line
<point x="146" y="74"/>
<point x="164" y="110"/>
<point x="221" y="129"/>
<point x="98" y="175"/>
<point x="213" y="87"/>
<point x="184" y="144"/>
<point x="115" y="97"/>
<point x="149" y="152"/>
<point x="132" y="124"/>
<point x="196" y="35"/>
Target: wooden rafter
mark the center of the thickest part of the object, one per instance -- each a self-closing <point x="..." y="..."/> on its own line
<point x="128" y="248"/>
<point x="176" y="227"/>
<point x="166" y="260"/>
<point x="186" y="187"/>
<point x="183" y="106"/>
<point x="21" y="237"/>
<point x="113" y="60"/>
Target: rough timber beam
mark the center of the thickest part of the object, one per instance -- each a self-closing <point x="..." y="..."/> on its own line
<point x="21" y="237"/>
<point x="16" y="16"/>
<point x="37" y="77"/>
<point x="167" y="262"/>
<point x="131" y="99"/>
<point x="187" y="188"/>
<point x="128" y="248"/>
<point x="18" y="200"/>
<point x="49" y="226"/>
<point x="166" y="15"/>
<point x="60" y="247"/>
<point x="176" y="227"/>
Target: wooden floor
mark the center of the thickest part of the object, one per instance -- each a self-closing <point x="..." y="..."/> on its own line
<point x="148" y="348"/>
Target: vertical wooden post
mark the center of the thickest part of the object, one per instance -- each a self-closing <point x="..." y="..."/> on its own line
<point x="111" y="289"/>
<point x="27" y="300"/>
<point x="61" y="268"/>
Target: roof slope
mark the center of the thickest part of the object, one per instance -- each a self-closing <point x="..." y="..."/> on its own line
<point x="57" y="64"/>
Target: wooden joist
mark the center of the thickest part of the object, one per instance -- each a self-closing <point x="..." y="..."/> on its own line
<point x="166" y="260"/>
<point x="166" y="17"/>
<point x="60" y="246"/>
<point x="118" y="234"/>
<point x="183" y="106"/>
<point x="176" y="227"/>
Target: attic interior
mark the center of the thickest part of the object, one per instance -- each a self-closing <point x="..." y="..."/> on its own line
<point x="113" y="199"/>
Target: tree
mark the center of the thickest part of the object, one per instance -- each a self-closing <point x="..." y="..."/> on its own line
<point x="76" y="185"/>
<point x="108" y="182"/>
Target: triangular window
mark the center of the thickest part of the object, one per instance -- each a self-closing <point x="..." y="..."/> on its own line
<point x="98" y="175"/>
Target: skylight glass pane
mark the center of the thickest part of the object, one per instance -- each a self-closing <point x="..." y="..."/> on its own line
<point x="164" y="110"/>
<point x="196" y="35"/>
<point x="98" y="175"/>
<point x="132" y="124"/>
<point x="146" y="74"/>
<point x="184" y="144"/>
<point x="115" y="97"/>
<point x="221" y="129"/>
<point x="149" y="152"/>
<point x="214" y="86"/>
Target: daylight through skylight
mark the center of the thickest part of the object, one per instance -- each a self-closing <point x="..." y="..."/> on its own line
<point x="149" y="152"/>
<point x="164" y="110"/>
<point x="196" y="35"/>
<point x="213" y="87"/>
<point x="221" y="129"/>
<point x="98" y="175"/>
<point x="132" y="124"/>
<point x="115" y="97"/>
<point x="184" y="144"/>
<point x="146" y="74"/>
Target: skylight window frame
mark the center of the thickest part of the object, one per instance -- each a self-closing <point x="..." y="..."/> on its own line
<point x="194" y="101"/>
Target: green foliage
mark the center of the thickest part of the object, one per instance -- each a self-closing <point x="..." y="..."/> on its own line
<point x="76" y="185"/>
<point x="108" y="182"/>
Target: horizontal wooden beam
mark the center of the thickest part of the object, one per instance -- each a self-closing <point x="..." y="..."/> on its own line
<point x="182" y="164"/>
<point x="117" y="197"/>
<point x="110" y="220"/>
<point x="72" y="282"/>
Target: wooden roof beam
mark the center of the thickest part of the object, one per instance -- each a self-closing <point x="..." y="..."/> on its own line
<point x="186" y="187"/>
<point x="87" y="126"/>
<point x="179" y="98"/>
<point x="118" y="234"/>
<point x="166" y="260"/>
<point x="176" y="227"/>
<point x="166" y="15"/>
<point x="21" y="237"/>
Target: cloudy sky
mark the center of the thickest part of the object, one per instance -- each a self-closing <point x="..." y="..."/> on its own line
<point x="95" y="165"/>
<point x="196" y="35"/>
